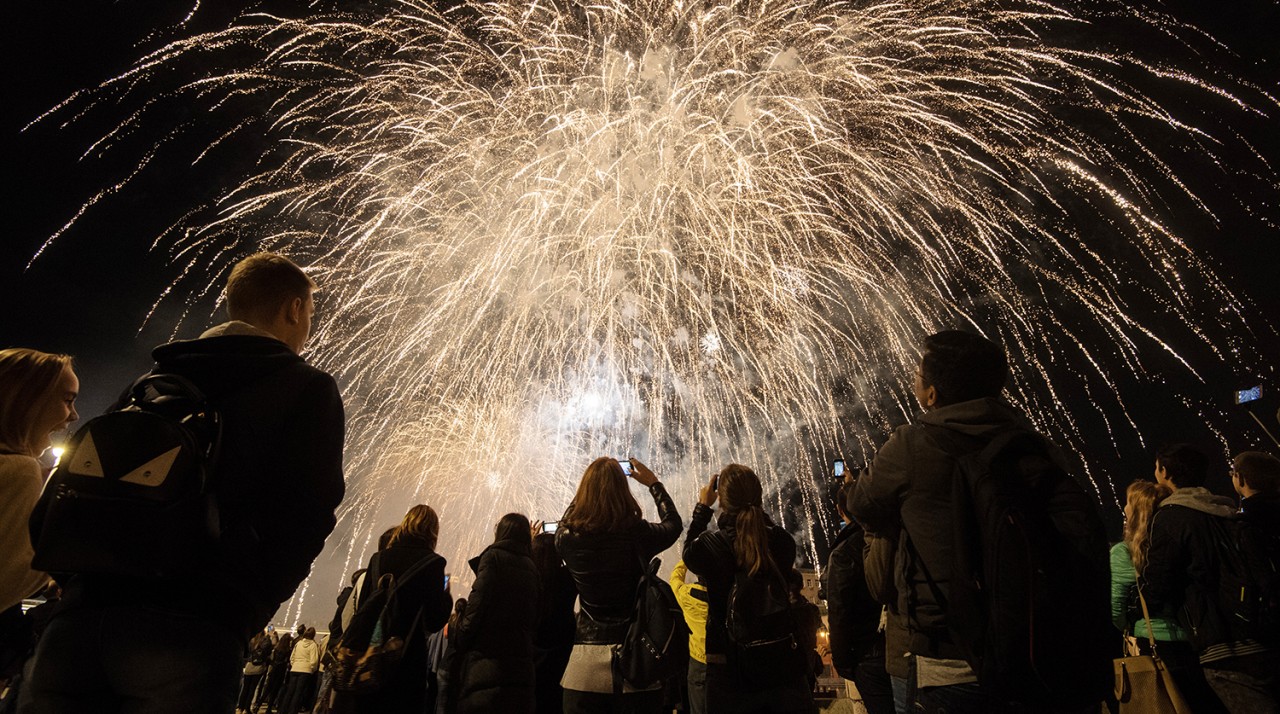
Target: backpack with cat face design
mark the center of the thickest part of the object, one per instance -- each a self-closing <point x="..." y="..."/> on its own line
<point x="131" y="495"/>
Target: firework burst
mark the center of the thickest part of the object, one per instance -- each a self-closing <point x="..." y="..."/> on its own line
<point x="689" y="231"/>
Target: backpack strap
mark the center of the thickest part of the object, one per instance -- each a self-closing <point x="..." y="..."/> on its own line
<point x="403" y="581"/>
<point x="413" y="571"/>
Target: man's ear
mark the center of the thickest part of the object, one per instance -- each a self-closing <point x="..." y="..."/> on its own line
<point x="930" y="397"/>
<point x="293" y="311"/>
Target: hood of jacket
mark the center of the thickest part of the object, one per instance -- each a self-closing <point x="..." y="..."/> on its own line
<point x="510" y="546"/>
<point x="847" y="532"/>
<point x="227" y="356"/>
<point x="977" y="417"/>
<point x="1201" y="499"/>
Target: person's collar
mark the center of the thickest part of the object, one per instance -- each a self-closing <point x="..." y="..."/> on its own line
<point x="236" y="327"/>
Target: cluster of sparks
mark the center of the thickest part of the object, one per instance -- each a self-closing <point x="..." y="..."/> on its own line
<point x="692" y="232"/>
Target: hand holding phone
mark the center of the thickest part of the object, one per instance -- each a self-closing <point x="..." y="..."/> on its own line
<point x="550" y="526"/>
<point x="708" y="495"/>
<point x="640" y="472"/>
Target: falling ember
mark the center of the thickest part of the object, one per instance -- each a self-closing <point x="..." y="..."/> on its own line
<point x="686" y="231"/>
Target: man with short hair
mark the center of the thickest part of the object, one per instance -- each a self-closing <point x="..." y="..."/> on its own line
<point x="1255" y="475"/>
<point x="176" y="645"/>
<point x="1189" y="532"/>
<point x="908" y="490"/>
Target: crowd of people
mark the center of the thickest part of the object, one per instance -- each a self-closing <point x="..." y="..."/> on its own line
<point x="548" y="612"/>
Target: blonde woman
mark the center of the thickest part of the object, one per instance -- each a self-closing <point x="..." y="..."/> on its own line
<point x="1128" y="559"/>
<point x="424" y="598"/>
<point x="37" y="398"/>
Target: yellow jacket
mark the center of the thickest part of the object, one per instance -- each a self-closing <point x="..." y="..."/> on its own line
<point x="695" y="611"/>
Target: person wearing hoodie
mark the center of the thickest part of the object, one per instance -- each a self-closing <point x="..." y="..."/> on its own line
<point x="495" y="634"/>
<point x="692" y="597"/>
<point x="907" y="490"/>
<point x="303" y="663"/>
<point x="283" y="429"/>
<point x="1172" y="645"/>
<point x="1182" y="573"/>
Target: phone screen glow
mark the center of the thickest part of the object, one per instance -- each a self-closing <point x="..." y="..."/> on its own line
<point x="1249" y="395"/>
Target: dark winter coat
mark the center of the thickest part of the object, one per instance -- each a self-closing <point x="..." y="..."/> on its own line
<point x="710" y="555"/>
<point x="909" y="485"/>
<point x="277" y="483"/>
<point x="853" y="616"/>
<point x="495" y="635"/>
<point x="553" y="641"/>
<point x="335" y="625"/>
<point x="1262" y="510"/>
<point x="1183" y="565"/>
<point x="607" y="566"/>
<point x="423" y="596"/>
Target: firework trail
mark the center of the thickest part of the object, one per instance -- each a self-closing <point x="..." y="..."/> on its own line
<point x="687" y="231"/>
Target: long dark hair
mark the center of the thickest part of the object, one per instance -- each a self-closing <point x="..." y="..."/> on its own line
<point x="283" y="644"/>
<point x="743" y="498"/>
<point x="513" y="526"/>
<point x="603" y="503"/>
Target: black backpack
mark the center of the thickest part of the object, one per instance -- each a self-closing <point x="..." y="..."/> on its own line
<point x="656" y="645"/>
<point x="131" y="495"/>
<point x="761" y="626"/>
<point x="1248" y="580"/>
<point x="369" y="653"/>
<point x="1029" y="594"/>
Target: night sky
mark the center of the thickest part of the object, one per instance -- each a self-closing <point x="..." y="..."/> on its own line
<point x="89" y="293"/>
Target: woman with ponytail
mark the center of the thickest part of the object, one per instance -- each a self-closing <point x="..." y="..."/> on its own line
<point x="746" y="544"/>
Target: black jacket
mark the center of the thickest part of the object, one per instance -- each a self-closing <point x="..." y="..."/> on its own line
<point x="853" y="616"/>
<point x="1262" y="511"/>
<point x="711" y="556"/>
<point x="1182" y="564"/>
<point x="606" y="567"/>
<point x="424" y="594"/>
<point x="495" y="635"/>
<point x="909" y="485"/>
<point x="277" y="483"/>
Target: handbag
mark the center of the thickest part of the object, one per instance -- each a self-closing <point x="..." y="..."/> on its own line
<point x="1143" y="684"/>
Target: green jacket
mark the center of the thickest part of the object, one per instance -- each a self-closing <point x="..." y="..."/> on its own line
<point x="1124" y="583"/>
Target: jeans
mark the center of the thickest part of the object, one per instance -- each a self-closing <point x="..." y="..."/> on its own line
<point x="874" y="685"/>
<point x="134" y="660"/>
<point x="1184" y="668"/>
<point x="297" y="691"/>
<point x="901" y="694"/>
<point x="247" y="689"/>
<point x="1247" y="684"/>
<point x="951" y="699"/>
<point x="697" y="687"/>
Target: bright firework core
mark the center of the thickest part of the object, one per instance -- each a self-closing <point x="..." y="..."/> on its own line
<point x="692" y="232"/>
